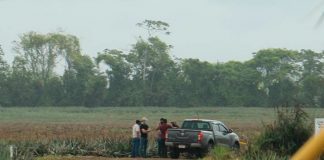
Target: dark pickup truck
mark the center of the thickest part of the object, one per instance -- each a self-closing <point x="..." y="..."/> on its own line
<point x="199" y="136"/>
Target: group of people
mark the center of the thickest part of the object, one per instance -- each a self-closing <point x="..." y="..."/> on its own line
<point x="140" y="137"/>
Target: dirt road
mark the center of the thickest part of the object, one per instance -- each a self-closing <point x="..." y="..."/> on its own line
<point x="92" y="158"/>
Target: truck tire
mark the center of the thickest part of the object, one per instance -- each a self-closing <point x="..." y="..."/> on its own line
<point x="174" y="153"/>
<point x="210" y="147"/>
<point x="236" y="146"/>
<point x="204" y="152"/>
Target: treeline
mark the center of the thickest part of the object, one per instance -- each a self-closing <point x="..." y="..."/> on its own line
<point x="148" y="75"/>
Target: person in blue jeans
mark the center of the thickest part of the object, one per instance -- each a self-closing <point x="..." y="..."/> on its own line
<point x="144" y="132"/>
<point x="136" y="139"/>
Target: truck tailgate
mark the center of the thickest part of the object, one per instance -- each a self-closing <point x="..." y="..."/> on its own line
<point x="183" y="135"/>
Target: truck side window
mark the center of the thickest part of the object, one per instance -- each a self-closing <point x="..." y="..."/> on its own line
<point x="216" y="128"/>
<point x="222" y="128"/>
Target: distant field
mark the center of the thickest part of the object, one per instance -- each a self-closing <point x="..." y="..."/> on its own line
<point x="106" y="130"/>
<point x="45" y="122"/>
<point x="127" y="115"/>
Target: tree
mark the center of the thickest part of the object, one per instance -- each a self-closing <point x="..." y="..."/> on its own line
<point x="312" y="77"/>
<point x="119" y="74"/>
<point x="68" y="46"/>
<point x="279" y="72"/>
<point x="37" y="54"/>
<point x="41" y="50"/>
<point x="237" y="84"/>
<point x="83" y="84"/>
<point x="199" y="83"/>
<point x="21" y="85"/>
<point x="151" y="62"/>
<point x="152" y="26"/>
<point x="4" y="74"/>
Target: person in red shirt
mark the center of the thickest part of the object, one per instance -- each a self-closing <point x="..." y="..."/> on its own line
<point x="163" y="127"/>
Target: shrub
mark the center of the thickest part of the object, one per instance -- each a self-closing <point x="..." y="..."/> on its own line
<point x="4" y="151"/>
<point x="220" y="153"/>
<point x="287" y="133"/>
<point x="254" y="153"/>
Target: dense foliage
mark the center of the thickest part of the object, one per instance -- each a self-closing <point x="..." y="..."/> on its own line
<point x="288" y="133"/>
<point x="148" y="75"/>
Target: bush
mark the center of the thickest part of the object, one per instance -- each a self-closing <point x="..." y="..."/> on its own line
<point x="4" y="151"/>
<point x="287" y="133"/>
<point x="254" y="153"/>
<point x="221" y="153"/>
<point x="97" y="147"/>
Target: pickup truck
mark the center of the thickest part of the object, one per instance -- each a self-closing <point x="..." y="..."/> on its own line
<point x="199" y="136"/>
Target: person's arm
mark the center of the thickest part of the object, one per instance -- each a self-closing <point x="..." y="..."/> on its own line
<point x="158" y="127"/>
<point x="145" y="130"/>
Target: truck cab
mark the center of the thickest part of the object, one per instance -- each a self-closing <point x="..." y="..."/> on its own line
<point x="199" y="136"/>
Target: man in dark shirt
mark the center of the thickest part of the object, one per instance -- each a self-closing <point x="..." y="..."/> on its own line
<point x="144" y="128"/>
<point x="163" y="127"/>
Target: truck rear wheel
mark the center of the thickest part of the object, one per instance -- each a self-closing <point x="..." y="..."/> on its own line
<point x="174" y="153"/>
<point x="204" y="152"/>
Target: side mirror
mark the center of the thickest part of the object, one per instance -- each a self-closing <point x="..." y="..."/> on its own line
<point x="230" y="130"/>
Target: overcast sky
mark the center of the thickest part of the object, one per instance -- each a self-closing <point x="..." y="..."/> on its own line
<point x="212" y="30"/>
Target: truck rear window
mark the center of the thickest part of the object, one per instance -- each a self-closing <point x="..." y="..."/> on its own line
<point x="196" y="125"/>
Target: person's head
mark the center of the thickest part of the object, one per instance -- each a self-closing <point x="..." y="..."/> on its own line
<point x="161" y="120"/>
<point x="165" y="121"/>
<point x="138" y="121"/>
<point x="144" y="119"/>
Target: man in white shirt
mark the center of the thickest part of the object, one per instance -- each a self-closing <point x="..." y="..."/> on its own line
<point x="136" y="134"/>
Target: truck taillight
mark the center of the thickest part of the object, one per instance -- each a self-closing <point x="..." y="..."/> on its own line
<point x="200" y="136"/>
<point x="166" y="135"/>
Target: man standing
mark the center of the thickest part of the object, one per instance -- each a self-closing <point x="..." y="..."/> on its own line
<point x="163" y="127"/>
<point x="136" y="139"/>
<point x="158" y="137"/>
<point x="144" y="132"/>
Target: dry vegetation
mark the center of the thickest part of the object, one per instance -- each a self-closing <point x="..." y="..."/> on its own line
<point x="105" y="132"/>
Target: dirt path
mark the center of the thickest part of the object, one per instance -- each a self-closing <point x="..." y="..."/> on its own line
<point x="92" y="158"/>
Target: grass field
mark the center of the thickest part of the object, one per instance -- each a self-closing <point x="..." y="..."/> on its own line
<point x="54" y="121"/>
<point x="129" y="114"/>
<point x="106" y="130"/>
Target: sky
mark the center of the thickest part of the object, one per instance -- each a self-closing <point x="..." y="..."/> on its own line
<point x="211" y="30"/>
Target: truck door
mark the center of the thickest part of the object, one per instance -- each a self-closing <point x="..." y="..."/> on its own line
<point x="218" y="135"/>
<point x="225" y="135"/>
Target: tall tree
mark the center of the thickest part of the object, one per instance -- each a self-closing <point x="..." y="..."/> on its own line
<point x="119" y="74"/>
<point x="24" y="94"/>
<point x="83" y="83"/>
<point x="151" y="62"/>
<point x="153" y="27"/>
<point x="237" y="84"/>
<point x="68" y="46"/>
<point x="199" y="88"/>
<point x="279" y="72"/>
<point x="41" y="50"/>
<point x="39" y="54"/>
<point x="312" y="78"/>
<point x="4" y="74"/>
